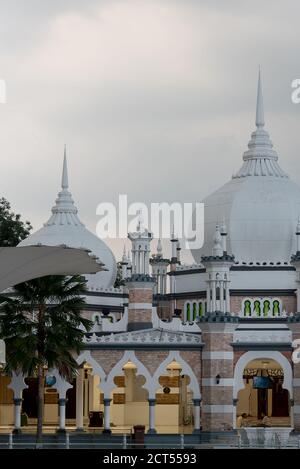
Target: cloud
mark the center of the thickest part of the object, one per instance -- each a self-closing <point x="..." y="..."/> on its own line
<point x="154" y="98"/>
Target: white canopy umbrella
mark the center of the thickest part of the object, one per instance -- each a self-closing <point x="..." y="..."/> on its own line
<point x="19" y="264"/>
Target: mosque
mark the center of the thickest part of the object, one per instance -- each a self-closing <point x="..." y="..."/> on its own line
<point x="185" y="348"/>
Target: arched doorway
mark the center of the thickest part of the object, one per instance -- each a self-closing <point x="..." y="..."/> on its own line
<point x="174" y="400"/>
<point x="264" y="399"/>
<point x="129" y="398"/>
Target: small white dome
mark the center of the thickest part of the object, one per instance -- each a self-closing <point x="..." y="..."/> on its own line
<point x="64" y="227"/>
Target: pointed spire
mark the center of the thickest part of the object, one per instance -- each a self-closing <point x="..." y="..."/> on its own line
<point x="260" y="119"/>
<point x="64" y="179"/>
<point x="124" y="258"/>
<point x="260" y="159"/>
<point x="64" y="211"/>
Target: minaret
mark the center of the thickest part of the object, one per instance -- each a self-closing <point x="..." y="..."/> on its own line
<point x="174" y="241"/>
<point x="159" y="270"/>
<point x="141" y="240"/>
<point x="218" y="275"/>
<point x="124" y="264"/>
<point x="140" y="284"/>
<point x="178" y="250"/>
<point x="129" y="265"/>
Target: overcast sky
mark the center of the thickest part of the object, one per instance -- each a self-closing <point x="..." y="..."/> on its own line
<point x="154" y="98"/>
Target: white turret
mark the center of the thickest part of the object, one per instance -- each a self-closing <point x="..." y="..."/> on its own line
<point x="159" y="270"/>
<point x="124" y="264"/>
<point x="129" y="265"/>
<point x="217" y="274"/>
<point x="217" y="246"/>
<point x="141" y="240"/>
<point x="178" y="249"/>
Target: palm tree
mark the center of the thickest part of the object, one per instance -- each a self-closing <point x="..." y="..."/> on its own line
<point x="41" y="324"/>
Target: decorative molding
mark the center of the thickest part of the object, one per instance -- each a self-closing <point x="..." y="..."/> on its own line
<point x="148" y="336"/>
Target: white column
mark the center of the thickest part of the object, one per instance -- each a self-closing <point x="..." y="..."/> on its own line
<point x="196" y="403"/>
<point x="79" y="400"/>
<point x="222" y="296"/>
<point x="234" y="407"/>
<point x="152" y="403"/>
<point x="133" y="262"/>
<point x="147" y="261"/>
<point x="106" y="416"/>
<point x="227" y="296"/>
<point x="62" y="414"/>
<point x="213" y="302"/>
<point x="208" y="298"/>
<point x="17" y="409"/>
<point x="142" y="261"/>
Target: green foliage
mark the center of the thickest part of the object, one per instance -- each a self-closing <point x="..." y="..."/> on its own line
<point x="41" y="324"/>
<point x="119" y="281"/>
<point x="12" y="229"/>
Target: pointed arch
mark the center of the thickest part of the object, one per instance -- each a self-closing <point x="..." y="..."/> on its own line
<point x="249" y="356"/>
<point x="186" y="369"/>
<point x="86" y="357"/>
<point x="118" y="369"/>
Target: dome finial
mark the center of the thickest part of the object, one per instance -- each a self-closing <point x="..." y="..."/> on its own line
<point x="64" y="179"/>
<point x="260" y="120"/>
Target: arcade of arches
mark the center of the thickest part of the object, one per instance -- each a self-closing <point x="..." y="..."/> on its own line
<point x="163" y="403"/>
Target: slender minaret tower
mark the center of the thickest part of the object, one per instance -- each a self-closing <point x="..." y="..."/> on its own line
<point x="124" y="264"/>
<point x="140" y="284"/>
<point x="129" y="265"/>
<point x="217" y="270"/>
<point x="178" y="250"/>
<point x="159" y="270"/>
<point x="174" y="241"/>
<point x="141" y="240"/>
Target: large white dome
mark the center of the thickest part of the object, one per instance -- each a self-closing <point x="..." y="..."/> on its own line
<point x="260" y="205"/>
<point x="64" y="227"/>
